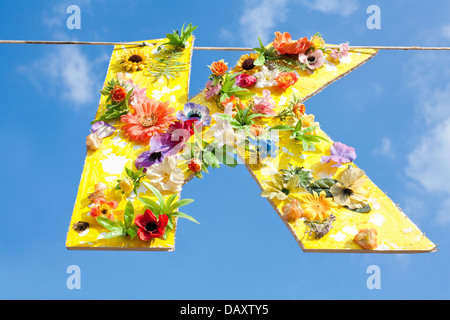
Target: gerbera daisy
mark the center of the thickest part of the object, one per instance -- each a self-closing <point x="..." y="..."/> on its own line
<point x="134" y="60"/>
<point x="246" y="63"/>
<point x="317" y="206"/>
<point x="149" y="118"/>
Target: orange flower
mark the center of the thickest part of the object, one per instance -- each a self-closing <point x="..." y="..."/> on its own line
<point x="286" y="79"/>
<point x="233" y="100"/>
<point x="103" y="208"/>
<point x="219" y="67"/>
<point x="317" y="206"/>
<point x="299" y="110"/>
<point x="292" y="211"/>
<point x="366" y="238"/>
<point x="285" y="45"/>
<point x="118" y="93"/>
<point x="150" y="117"/>
<point x="256" y="130"/>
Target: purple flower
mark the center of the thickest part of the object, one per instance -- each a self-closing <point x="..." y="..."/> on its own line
<point x="102" y="129"/>
<point x="340" y="153"/>
<point x="161" y="146"/>
<point x="192" y="111"/>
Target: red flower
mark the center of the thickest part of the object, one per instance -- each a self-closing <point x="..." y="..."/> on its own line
<point x="118" y="93"/>
<point x="103" y="208"/>
<point x="195" y="165"/>
<point x="286" y="79"/>
<point x="149" y="226"/>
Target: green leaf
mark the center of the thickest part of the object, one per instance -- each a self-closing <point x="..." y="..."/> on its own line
<point x="157" y="194"/>
<point x="322" y="185"/>
<point x="128" y="214"/>
<point x="365" y="209"/>
<point x="155" y="207"/>
<point x="184" y="215"/>
<point x="113" y="234"/>
<point x="109" y="224"/>
<point x="170" y="200"/>
<point x="132" y="232"/>
<point x="179" y="203"/>
<point x="282" y="127"/>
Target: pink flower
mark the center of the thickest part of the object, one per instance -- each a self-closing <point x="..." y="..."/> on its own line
<point x="245" y="80"/>
<point x="264" y="104"/>
<point x="312" y="60"/>
<point x="211" y="90"/>
<point x="342" y="52"/>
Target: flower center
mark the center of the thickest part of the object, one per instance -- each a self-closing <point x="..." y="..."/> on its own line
<point x="150" y="227"/>
<point x="155" y="156"/>
<point x="148" y="120"/>
<point x="194" y="114"/>
<point x="311" y="59"/>
<point x="166" y="177"/>
<point x="135" y="58"/>
<point x="104" y="211"/>
<point x="248" y="64"/>
<point x="347" y="192"/>
<point x="285" y="191"/>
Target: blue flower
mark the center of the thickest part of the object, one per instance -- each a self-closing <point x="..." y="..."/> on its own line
<point x="192" y="111"/>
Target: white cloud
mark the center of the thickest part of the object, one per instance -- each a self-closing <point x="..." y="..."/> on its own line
<point x="385" y="148"/>
<point x="259" y="18"/>
<point x="340" y="7"/>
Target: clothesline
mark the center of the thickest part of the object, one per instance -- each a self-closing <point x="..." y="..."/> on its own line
<point x="207" y="48"/>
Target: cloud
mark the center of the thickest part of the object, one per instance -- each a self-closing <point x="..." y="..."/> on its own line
<point x="340" y="7"/>
<point x="259" y="18"/>
<point x="385" y="148"/>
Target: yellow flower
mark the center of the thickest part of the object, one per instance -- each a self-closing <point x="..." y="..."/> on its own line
<point x="317" y="41"/>
<point x="317" y="206"/>
<point x="279" y="188"/>
<point x="126" y="185"/>
<point x="349" y="191"/>
<point x="134" y="60"/>
<point x="246" y="64"/>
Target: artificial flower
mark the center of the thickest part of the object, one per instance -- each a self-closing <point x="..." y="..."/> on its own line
<point x="308" y="121"/>
<point x="99" y="191"/>
<point x="219" y="68"/>
<point x="93" y="142"/>
<point x="103" y="208"/>
<point x="246" y="63"/>
<point x="299" y="110"/>
<point x="197" y="112"/>
<point x="149" y="118"/>
<point x="266" y="77"/>
<point x="312" y="59"/>
<point x="166" y="176"/>
<point x="149" y="226"/>
<point x="245" y="80"/>
<point x="279" y="188"/>
<point x="102" y="129"/>
<point x="366" y="238"/>
<point x="284" y="44"/>
<point x="317" y="206"/>
<point x="341" y="53"/>
<point x="211" y="89"/>
<point x="256" y="130"/>
<point x="195" y="165"/>
<point x="161" y="146"/>
<point x="134" y="60"/>
<point x="264" y="104"/>
<point x="126" y="185"/>
<point x="138" y="92"/>
<point x="286" y="79"/>
<point x="118" y="94"/>
<point x="317" y="41"/>
<point x="349" y="191"/>
<point x="221" y="132"/>
<point x="292" y="211"/>
<point x="230" y="104"/>
<point x="340" y="153"/>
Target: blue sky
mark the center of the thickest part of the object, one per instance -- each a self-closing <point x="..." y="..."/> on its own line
<point x="394" y="110"/>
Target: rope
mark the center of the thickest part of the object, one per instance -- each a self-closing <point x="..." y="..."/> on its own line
<point x="206" y="48"/>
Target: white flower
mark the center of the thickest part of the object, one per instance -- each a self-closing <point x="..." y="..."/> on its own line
<point x="222" y="132"/>
<point x="166" y="176"/>
<point x="266" y="78"/>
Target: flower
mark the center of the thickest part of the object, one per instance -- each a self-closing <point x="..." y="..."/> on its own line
<point x="149" y="118"/>
<point x="308" y="121"/>
<point x="246" y="63"/>
<point x="285" y="45"/>
<point x="212" y="89"/>
<point x="166" y="176"/>
<point x="312" y="59"/>
<point x="366" y="238"/>
<point x="197" y="112"/>
<point x="299" y="110"/>
<point x="342" y="52"/>
<point x="221" y="132"/>
<point x="286" y="79"/>
<point x="245" y="80"/>
<point x="256" y="130"/>
<point x="266" y="77"/>
<point x="349" y="191"/>
<point x="149" y="226"/>
<point x="230" y="104"/>
<point x="126" y="185"/>
<point x="138" y="92"/>
<point x="340" y="153"/>
<point x="118" y="94"/>
<point x="292" y="211"/>
<point x="102" y="129"/>
<point x="161" y="146"/>
<point x="99" y="191"/>
<point x="317" y="41"/>
<point x="134" y="60"/>
<point x="103" y="208"/>
<point x="317" y="206"/>
<point x="264" y="104"/>
<point x="279" y="188"/>
<point x="93" y="142"/>
<point x="195" y="165"/>
<point x="219" y="67"/>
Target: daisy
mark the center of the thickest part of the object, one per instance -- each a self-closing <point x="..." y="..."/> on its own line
<point x="246" y="63"/>
<point x="317" y="206"/>
<point x="149" y="118"/>
<point x="134" y="60"/>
